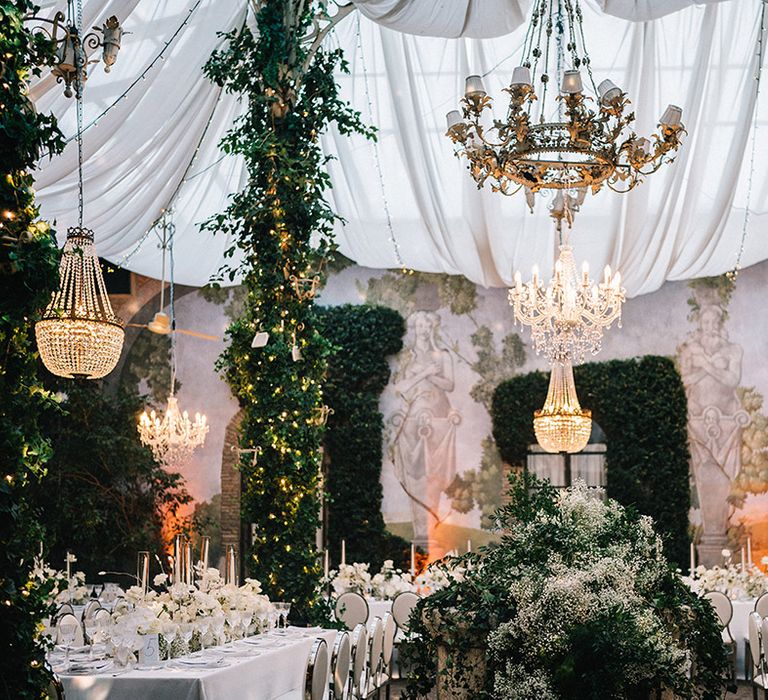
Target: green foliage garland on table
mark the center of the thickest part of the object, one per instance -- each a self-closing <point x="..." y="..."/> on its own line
<point x="576" y="601"/>
<point x="282" y="226"/>
<point x="640" y="404"/>
<point x="362" y="337"/>
<point x="28" y="275"/>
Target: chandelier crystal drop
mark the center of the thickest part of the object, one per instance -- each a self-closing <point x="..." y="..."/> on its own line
<point x="562" y="425"/>
<point x="172" y="437"/>
<point x="580" y="141"/>
<point x="569" y="316"/>
<point x="79" y="336"/>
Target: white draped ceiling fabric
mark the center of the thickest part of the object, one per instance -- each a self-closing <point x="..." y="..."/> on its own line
<point x="408" y="59"/>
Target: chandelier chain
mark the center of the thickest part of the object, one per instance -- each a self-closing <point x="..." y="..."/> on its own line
<point x="80" y="67"/>
<point x="734" y="272"/>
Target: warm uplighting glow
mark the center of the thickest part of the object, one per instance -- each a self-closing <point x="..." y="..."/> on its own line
<point x="562" y="425"/>
<point x="79" y="336"/>
<point x="172" y="437"/>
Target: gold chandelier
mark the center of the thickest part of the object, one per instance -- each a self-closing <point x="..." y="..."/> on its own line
<point x="568" y="145"/>
<point x="79" y="336"/>
<point x="562" y="425"/>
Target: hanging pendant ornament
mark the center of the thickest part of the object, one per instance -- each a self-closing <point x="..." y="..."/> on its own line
<point x="172" y="436"/>
<point x="79" y="336"/>
<point x="582" y="148"/>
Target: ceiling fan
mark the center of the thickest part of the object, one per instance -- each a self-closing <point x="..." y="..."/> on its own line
<point x="161" y="323"/>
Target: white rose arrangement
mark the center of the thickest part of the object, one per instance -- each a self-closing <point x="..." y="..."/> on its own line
<point x="737" y="582"/>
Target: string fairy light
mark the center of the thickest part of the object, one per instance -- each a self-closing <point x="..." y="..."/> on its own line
<point x="734" y="272"/>
<point x="377" y="159"/>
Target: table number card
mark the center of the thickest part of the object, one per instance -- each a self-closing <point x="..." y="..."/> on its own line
<point x="149" y="654"/>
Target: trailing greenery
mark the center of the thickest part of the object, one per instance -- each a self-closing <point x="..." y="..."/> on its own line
<point x="105" y="498"/>
<point x="576" y="601"/>
<point x="28" y="275"/>
<point x="640" y="404"/>
<point x="362" y="337"/>
<point x="281" y="227"/>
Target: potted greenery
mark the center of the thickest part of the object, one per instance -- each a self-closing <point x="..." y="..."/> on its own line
<point x="576" y="601"/>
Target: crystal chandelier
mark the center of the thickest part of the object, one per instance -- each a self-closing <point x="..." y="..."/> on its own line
<point x="562" y="425"/>
<point x="172" y="437"/>
<point x="566" y="146"/>
<point x="79" y="336"/>
<point x="568" y="316"/>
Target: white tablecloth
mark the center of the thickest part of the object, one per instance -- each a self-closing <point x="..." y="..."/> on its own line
<point x="274" y="673"/>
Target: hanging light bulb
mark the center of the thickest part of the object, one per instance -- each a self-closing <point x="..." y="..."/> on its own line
<point x="79" y="335"/>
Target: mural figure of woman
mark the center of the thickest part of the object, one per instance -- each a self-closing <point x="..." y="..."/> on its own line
<point x="710" y="366"/>
<point x="423" y="441"/>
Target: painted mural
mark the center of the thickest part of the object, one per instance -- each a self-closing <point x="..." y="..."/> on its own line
<point x="442" y="473"/>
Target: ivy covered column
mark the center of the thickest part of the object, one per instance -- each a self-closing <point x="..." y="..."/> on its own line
<point x="282" y="226"/>
<point x="28" y="275"/>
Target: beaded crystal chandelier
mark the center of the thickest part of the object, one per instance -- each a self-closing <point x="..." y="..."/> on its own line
<point x="580" y="141"/>
<point x="569" y="315"/>
<point x="172" y="437"/>
<point x="562" y="425"/>
<point x="79" y="336"/>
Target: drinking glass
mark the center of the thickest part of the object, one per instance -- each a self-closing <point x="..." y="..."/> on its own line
<point x="245" y="622"/>
<point x="217" y="626"/>
<point x="68" y="632"/>
<point x="169" y="631"/>
<point x="233" y="621"/>
<point x="187" y="630"/>
<point x="287" y="608"/>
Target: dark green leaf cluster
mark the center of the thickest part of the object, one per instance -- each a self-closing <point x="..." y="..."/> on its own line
<point x="28" y="275"/>
<point x="525" y="601"/>
<point x="363" y="337"/>
<point x="641" y="406"/>
<point x="281" y="226"/>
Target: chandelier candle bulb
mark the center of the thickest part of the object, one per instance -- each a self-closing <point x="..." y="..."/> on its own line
<point x="205" y="549"/>
<point x="521" y="75"/>
<point x="473" y="87"/>
<point x="535" y="276"/>
<point x="571" y="83"/>
<point x="585" y="273"/>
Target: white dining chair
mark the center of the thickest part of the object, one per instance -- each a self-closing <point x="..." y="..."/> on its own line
<point x="90" y="608"/>
<point x="316" y="679"/>
<point x="351" y="609"/>
<point x="402" y="607"/>
<point x="341" y="660"/>
<point x="68" y="627"/>
<point x="761" y="605"/>
<point x="756" y="658"/>
<point x="64" y="609"/>
<point x="359" y="651"/>
<point x="373" y="667"/>
<point x="724" y="611"/>
<point x="55" y="689"/>
<point x="387" y="653"/>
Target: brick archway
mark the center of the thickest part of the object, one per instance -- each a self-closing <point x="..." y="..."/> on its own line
<point x="231" y="521"/>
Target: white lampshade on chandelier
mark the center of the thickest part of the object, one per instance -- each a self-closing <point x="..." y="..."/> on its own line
<point x="172" y="436"/>
<point x="562" y="425"/>
<point x="580" y="141"/>
<point x="79" y="336"/>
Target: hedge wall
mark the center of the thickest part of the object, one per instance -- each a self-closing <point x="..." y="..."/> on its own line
<point x="363" y="337"/>
<point x="640" y="404"/>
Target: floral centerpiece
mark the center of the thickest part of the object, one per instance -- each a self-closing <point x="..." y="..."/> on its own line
<point x="390" y="581"/>
<point x="738" y="582"/>
<point x="351" y="577"/>
<point x="576" y="601"/>
<point x="60" y="590"/>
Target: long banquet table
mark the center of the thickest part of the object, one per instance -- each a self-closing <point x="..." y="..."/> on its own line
<point x="276" y="672"/>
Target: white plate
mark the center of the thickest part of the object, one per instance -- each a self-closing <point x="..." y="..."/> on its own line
<point x="80" y="668"/>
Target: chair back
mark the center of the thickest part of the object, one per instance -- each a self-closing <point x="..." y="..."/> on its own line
<point x="55" y="689"/>
<point x="754" y="623"/>
<point x="761" y="605"/>
<point x="375" y="647"/>
<point x="90" y="608"/>
<point x="122" y="606"/>
<point x="402" y="606"/>
<point x="316" y="680"/>
<point x="390" y="628"/>
<point x="351" y="609"/>
<point x="64" y="609"/>
<point x="341" y="660"/>
<point x="66" y="625"/>
<point x="359" y="650"/>
<point x="102" y="614"/>
<point x="763" y="637"/>
<point x="722" y="605"/>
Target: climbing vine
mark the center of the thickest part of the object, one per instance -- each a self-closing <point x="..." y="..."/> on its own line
<point x="28" y="275"/>
<point x="281" y="227"/>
